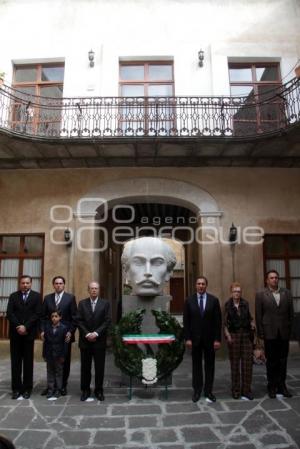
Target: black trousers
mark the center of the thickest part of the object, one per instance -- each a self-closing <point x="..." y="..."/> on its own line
<point x="205" y="349"/>
<point x="87" y="355"/>
<point x="54" y="374"/>
<point x="67" y="365"/>
<point x="21" y="356"/>
<point x="276" y="351"/>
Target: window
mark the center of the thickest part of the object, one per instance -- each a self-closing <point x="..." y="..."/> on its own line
<point x="282" y="253"/>
<point x="257" y="83"/>
<point x="153" y="114"/>
<point x="19" y="254"/>
<point x="40" y="114"/>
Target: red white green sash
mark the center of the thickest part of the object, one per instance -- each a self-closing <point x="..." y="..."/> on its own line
<point x="134" y="339"/>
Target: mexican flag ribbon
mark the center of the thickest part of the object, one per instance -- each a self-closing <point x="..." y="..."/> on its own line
<point x="133" y="339"/>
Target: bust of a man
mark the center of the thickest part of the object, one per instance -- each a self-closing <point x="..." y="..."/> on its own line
<point x="148" y="263"/>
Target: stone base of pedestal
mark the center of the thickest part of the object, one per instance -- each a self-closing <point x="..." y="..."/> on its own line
<point x="130" y="303"/>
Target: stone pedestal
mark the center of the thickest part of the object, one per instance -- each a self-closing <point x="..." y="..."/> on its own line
<point x="131" y="303"/>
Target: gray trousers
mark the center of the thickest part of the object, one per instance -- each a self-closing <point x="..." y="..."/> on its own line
<point x="54" y="374"/>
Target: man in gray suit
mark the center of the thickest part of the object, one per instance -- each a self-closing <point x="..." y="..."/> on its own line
<point x="274" y="316"/>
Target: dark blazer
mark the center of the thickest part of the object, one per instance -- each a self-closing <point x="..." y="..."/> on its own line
<point x="89" y="321"/>
<point x="235" y="321"/>
<point x="271" y="318"/>
<point x="67" y="307"/>
<point x="208" y="327"/>
<point x="24" y="313"/>
<point x="54" y="343"/>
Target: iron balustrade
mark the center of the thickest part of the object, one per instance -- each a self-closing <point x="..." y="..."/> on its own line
<point x="123" y="117"/>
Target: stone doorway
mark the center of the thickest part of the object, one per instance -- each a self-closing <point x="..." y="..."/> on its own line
<point x="129" y="208"/>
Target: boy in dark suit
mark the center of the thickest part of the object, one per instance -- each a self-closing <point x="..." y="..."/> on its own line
<point x="54" y="352"/>
<point x="23" y="314"/>
<point x="66" y="303"/>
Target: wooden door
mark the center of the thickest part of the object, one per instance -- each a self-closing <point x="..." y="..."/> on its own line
<point x="177" y="292"/>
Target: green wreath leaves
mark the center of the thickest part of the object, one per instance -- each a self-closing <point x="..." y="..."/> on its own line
<point x="129" y="357"/>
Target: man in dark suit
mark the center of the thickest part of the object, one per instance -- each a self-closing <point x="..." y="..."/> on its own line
<point x="274" y="317"/>
<point x="23" y="313"/>
<point x="93" y="320"/>
<point x="66" y="304"/>
<point x="202" y="330"/>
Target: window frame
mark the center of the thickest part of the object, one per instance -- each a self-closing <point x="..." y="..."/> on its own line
<point x="146" y="81"/>
<point x="37" y="84"/>
<point x="259" y="121"/>
<point x="146" y="112"/>
<point x="21" y="255"/>
<point x="285" y="256"/>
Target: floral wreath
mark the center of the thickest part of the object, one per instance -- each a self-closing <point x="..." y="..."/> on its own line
<point x="148" y="365"/>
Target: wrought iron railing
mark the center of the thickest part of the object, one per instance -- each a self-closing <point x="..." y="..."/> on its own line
<point x="183" y="116"/>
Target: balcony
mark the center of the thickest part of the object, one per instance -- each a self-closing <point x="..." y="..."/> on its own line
<point x="39" y="132"/>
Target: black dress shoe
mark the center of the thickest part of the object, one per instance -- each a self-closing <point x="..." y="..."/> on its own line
<point x="84" y="395"/>
<point x="196" y="396"/>
<point x="236" y="395"/>
<point x="64" y="391"/>
<point x="272" y="393"/>
<point x="44" y="392"/>
<point x="248" y="396"/>
<point x="26" y="394"/>
<point x="210" y="398"/>
<point x="99" y="395"/>
<point x="15" y="395"/>
<point x="285" y="392"/>
<point x="50" y="394"/>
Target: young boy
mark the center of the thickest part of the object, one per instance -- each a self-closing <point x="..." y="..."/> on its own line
<point x="54" y="351"/>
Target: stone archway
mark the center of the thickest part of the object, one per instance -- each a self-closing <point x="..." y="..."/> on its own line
<point x="157" y="190"/>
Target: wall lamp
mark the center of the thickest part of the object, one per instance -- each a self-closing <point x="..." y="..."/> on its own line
<point x="67" y="237"/>
<point x="91" y="58"/>
<point x="233" y="234"/>
<point x="200" y="58"/>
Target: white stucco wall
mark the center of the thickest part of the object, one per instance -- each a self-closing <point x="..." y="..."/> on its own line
<point x="36" y="30"/>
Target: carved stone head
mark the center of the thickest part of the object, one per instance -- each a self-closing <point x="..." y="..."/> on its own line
<point x="148" y="263"/>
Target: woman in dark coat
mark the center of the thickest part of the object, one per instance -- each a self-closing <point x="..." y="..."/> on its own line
<point x="239" y="332"/>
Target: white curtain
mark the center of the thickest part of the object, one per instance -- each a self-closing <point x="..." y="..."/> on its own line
<point x="32" y="267"/>
<point x="36" y="285"/>
<point x="295" y="268"/>
<point x="276" y="264"/>
<point x="9" y="268"/>
<point x="295" y="283"/>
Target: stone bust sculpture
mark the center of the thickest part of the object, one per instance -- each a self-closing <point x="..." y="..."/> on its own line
<point x="148" y="263"/>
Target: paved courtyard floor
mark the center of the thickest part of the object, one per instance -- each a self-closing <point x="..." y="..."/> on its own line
<point x="149" y="420"/>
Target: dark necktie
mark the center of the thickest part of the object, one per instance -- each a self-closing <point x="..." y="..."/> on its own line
<point x="25" y="296"/>
<point x="201" y="305"/>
